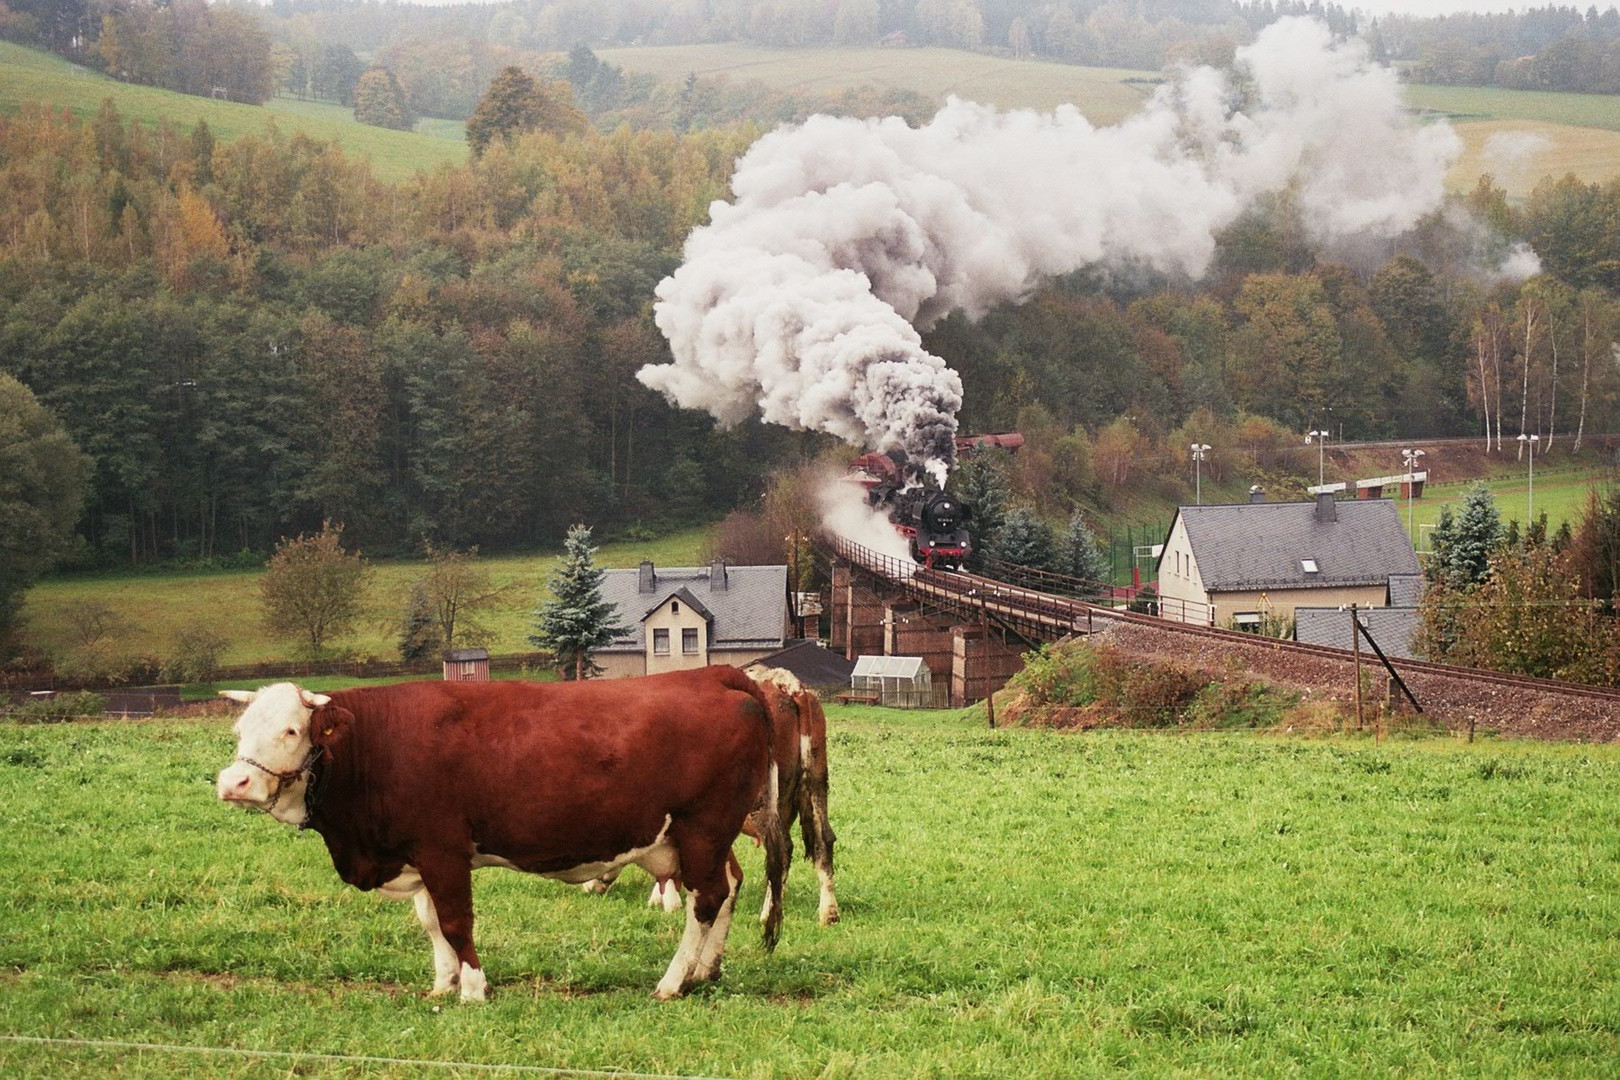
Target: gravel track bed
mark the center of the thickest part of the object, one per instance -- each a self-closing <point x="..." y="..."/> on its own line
<point x="1454" y="701"/>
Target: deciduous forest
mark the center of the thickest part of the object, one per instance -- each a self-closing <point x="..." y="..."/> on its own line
<point x="250" y="338"/>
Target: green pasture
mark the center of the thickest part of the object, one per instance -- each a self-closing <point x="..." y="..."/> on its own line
<point x="1560" y="493"/>
<point x="1016" y="903"/>
<point x="155" y="607"/>
<point x="1104" y="95"/>
<point x="30" y="76"/>
<point x="1463" y="103"/>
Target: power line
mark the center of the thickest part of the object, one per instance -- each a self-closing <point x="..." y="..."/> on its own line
<point x="353" y="1059"/>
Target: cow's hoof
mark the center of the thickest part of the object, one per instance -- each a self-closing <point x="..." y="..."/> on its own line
<point x="829" y="915"/>
<point x="596" y="886"/>
<point x="474" y="987"/>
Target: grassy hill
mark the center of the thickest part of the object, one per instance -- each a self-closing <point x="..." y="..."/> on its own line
<point x="31" y="76"/>
<point x="1545" y="132"/>
<point x="1104" y="95"/>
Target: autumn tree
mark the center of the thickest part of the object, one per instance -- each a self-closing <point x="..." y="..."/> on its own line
<point x="313" y="590"/>
<point x="576" y="621"/>
<point x="516" y="103"/>
<point x="379" y="101"/>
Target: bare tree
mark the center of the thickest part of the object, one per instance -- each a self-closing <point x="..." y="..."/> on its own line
<point x="458" y="589"/>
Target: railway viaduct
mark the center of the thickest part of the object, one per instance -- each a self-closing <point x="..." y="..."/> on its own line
<point x="973" y="630"/>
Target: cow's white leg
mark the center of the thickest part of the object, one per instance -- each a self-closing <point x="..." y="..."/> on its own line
<point x="827" y="913"/>
<point x="714" y="942"/>
<point x="446" y="965"/>
<point x="679" y="975"/>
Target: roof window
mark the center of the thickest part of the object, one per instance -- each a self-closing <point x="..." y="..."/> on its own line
<point x="1309" y="566"/>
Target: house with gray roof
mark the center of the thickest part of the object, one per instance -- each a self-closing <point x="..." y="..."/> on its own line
<point x="1248" y="564"/>
<point x="688" y="617"/>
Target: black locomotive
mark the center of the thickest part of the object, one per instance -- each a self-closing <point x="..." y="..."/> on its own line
<point x="933" y="522"/>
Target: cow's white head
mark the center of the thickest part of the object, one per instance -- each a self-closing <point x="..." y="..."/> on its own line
<point x="279" y="737"/>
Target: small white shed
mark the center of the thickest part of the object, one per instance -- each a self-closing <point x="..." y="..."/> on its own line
<point x="902" y="681"/>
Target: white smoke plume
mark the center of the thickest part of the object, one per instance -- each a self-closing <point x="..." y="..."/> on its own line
<point x="845" y="512"/>
<point x="802" y="299"/>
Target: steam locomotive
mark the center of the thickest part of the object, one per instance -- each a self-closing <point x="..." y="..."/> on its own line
<point x="933" y="522"/>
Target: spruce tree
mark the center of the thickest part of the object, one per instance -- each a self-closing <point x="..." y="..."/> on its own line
<point x="1079" y="554"/>
<point x="1023" y="540"/>
<point x="1462" y="543"/>
<point x="576" y="620"/>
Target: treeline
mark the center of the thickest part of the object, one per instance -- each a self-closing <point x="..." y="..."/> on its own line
<point x="250" y="339"/>
<point x="189" y="46"/>
<point x="1550" y="48"/>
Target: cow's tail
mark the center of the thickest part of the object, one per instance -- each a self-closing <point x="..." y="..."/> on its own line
<point x="773" y="837"/>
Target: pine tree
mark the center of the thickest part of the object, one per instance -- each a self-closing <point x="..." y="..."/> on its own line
<point x="576" y="620"/>
<point x="1462" y="543"/>
<point x="419" y="634"/>
<point x="980" y="483"/>
<point x="1024" y="540"/>
<point x="1078" y="553"/>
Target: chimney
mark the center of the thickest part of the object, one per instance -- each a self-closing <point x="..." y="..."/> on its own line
<point x="647" y="581"/>
<point x="1257" y="494"/>
<point x="717" y="576"/>
<point x="1326" y="510"/>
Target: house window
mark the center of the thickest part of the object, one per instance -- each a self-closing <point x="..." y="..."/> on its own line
<point x="660" y="642"/>
<point x="1308" y="565"/>
<point x="689" y="641"/>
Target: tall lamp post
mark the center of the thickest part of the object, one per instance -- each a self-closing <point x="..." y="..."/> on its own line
<point x="1321" y="438"/>
<point x="1198" y="452"/>
<point x="1530" y="512"/>
<point x="1410" y="457"/>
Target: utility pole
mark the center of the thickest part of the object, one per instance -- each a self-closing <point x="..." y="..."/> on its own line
<point x="1355" y="648"/>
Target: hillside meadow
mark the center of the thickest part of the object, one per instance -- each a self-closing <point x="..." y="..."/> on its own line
<point x="1517" y="136"/>
<point x="156" y="606"/>
<point x="28" y="76"/>
<point x="1015" y="903"/>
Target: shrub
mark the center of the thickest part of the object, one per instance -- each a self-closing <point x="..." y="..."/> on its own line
<point x="60" y="708"/>
<point x="196" y="654"/>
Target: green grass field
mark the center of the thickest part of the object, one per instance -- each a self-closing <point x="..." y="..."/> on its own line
<point x="1103" y="94"/>
<point x="31" y="76"/>
<point x="156" y="606"/>
<point x="1561" y="494"/>
<point x="1016" y="904"/>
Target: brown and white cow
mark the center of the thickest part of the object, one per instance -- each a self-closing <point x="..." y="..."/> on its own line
<point x="799" y="728"/>
<point x="413" y="786"/>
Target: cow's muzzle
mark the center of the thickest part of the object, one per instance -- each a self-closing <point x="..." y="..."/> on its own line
<point x="237" y="788"/>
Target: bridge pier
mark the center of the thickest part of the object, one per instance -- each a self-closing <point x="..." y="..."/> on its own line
<point x="858" y="616"/>
<point x="981" y="664"/>
<point x="909" y="632"/>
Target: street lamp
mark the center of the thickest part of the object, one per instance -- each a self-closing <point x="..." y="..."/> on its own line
<point x="1410" y="457"/>
<point x="1530" y="512"/>
<point x="1198" y="452"/>
<point x="1321" y="438"/>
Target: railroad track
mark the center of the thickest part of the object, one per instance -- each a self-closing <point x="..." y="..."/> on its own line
<point x="1037" y="616"/>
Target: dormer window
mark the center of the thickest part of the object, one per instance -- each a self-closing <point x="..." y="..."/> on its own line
<point x="1308" y="565"/>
